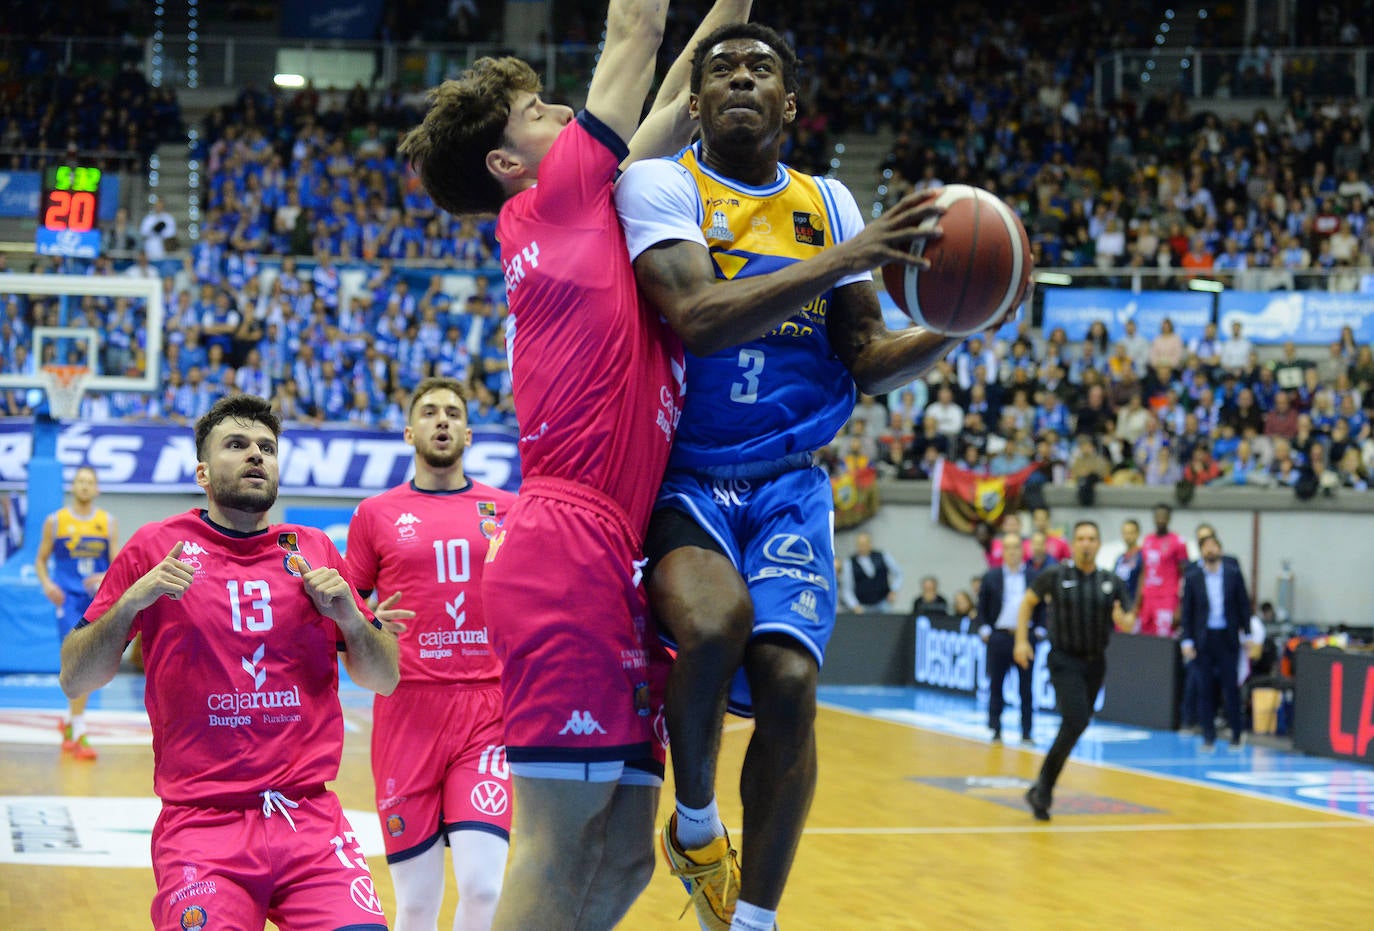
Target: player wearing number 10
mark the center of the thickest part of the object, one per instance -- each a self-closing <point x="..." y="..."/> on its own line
<point x="438" y="760"/>
<point x="242" y="623"/>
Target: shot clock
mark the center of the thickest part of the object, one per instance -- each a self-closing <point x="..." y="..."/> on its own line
<point x="69" y="212"/>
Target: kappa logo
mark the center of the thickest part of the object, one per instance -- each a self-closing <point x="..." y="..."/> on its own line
<point x="490" y="797"/>
<point x="582" y="724"/>
<point x="790" y="549"/>
<point x="191" y="551"/>
<point x="407" y="522"/>
<point x="259" y="676"/>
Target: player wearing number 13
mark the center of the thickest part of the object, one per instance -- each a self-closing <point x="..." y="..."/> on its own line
<point x="438" y="759"/>
<point x="242" y="624"/>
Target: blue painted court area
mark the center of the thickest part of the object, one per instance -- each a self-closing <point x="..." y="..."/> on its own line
<point x="1265" y="771"/>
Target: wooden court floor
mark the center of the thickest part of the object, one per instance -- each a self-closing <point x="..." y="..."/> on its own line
<point x="885" y="848"/>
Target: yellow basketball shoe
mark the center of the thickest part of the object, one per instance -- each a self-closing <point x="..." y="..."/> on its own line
<point x="710" y="874"/>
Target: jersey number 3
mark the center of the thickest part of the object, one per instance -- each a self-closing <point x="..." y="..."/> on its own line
<point x="747" y="392"/>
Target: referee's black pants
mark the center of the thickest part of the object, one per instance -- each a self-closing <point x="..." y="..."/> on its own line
<point x="1076" y="683"/>
<point x="1001" y="645"/>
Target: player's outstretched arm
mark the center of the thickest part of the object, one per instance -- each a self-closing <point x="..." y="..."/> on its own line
<point x="669" y="126"/>
<point x="90" y="654"/>
<point x="711" y="314"/>
<point x="371" y="653"/>
<point x="634" y="31"/>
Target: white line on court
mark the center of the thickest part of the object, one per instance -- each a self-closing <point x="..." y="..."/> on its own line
<point x="1096" y="828"/>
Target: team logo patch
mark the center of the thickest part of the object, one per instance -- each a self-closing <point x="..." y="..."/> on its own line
<point x="488" y="527"/>
<point x="194" y="918"/>
<point x="642" y="699"/>
<point x="720" y="228"/>
<point x="295" y="563"/>
<point x="395" y="825"/>
<point x="809" y="228"/>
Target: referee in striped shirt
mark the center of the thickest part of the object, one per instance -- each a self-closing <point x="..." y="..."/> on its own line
<point x="1085" y="603"/>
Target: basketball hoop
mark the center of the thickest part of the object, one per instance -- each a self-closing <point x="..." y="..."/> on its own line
<point x="65" y="385"/>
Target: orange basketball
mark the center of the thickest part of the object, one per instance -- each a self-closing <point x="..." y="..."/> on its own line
<point x="980" y="267"/>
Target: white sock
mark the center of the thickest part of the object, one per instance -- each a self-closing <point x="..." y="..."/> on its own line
<point x="752" y="918"/>
<point x="697" y="827"/>
<point x="78" y="726"/>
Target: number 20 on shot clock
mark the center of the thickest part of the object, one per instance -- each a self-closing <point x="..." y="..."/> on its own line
<point x="69" y="212"/>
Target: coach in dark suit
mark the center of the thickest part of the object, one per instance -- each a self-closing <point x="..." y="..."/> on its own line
<point x="1215" y="612"/>
<point x="999" y="599"/>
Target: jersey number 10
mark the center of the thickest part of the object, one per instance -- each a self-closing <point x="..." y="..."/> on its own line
<point x="451" y="560"/>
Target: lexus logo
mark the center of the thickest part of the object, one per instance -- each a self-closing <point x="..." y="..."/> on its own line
<point x="490" y="797"/>
<point x="789" y="549"/>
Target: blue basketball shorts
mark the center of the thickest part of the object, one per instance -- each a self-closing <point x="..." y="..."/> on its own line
<point x="780" y="535"/>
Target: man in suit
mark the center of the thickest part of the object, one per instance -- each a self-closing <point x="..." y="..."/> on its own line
<point x="1215" y="612"/>
<point x="999" y="598"/>
<point x="1191" y="709"/>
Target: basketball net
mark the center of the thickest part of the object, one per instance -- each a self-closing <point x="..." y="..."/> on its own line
<point x="65" y="385"/>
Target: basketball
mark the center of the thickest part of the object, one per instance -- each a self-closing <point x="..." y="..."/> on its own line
<point x="979" y="269"/>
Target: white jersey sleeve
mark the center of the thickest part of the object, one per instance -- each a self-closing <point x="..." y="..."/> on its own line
<point x="851" y="221"/>
<point x="658" y="201"/>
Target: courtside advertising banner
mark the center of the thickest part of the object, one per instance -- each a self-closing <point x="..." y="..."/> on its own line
<point x="1074" y="309"/>
<point x="1305" y="317"/>
<point x="324" y="462"/>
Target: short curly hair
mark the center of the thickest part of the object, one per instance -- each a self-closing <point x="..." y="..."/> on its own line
<point x="758" y="32"/>
<point x="466" y="120"/>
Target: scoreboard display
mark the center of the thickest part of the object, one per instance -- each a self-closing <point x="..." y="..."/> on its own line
<point x="69" y="212"/>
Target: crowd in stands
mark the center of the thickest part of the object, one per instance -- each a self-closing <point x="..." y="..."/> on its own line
<point x="1160" y="184"/>
<point x="1143" y="410"/>
<point x="975" y="95"/>
<point x="99" y="104"/>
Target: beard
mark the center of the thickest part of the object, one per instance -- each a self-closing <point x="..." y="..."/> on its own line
<point x="228" y="493"/>
<point x="437" y="459"/>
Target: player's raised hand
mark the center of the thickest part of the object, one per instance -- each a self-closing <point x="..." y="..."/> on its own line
<point x="392" y="617"/>
<point x="170" y="577"/>
<point x="331" y="593"/>
<point x="889" y="238"/>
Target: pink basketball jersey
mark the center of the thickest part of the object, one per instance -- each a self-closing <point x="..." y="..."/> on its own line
<point x="242" y="670"/>
<point x="431" y="547"/>
<point x="597" y="374"/>
<point x="1160" y="558"/>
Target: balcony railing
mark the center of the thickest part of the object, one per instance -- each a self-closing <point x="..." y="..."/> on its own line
<point x="1235" y="73"/>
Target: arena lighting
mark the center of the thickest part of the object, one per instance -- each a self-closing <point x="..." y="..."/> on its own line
<point x="1058" y="278"/>
<point x="1204" y="284"/>
<point x="289" y="80"/>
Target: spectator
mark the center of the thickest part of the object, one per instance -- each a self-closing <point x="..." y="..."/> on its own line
<point x="1235" y="352"/>
<point x="930" y="601"/>
<point x="158" y="230"/>
<point x="1166" y="349"/>
<point x="1282" y="421"/>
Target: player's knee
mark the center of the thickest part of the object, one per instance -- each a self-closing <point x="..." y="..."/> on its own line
<point x="479" y="893"/>
<point x="783" y="683"/>
<point x="717" y="628"/>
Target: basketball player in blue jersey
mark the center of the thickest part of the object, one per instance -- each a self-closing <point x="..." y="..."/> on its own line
<point x="80" y="539"/>
<point x="765" y="273"/>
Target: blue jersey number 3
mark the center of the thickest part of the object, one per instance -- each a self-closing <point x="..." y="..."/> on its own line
<point x="751" y="360"/>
